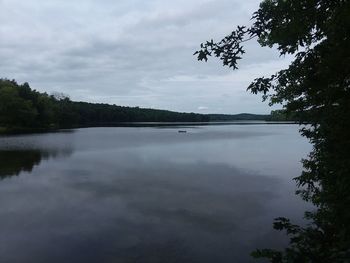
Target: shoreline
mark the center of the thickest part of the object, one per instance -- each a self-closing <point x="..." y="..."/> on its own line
<point x="21" y="131"/>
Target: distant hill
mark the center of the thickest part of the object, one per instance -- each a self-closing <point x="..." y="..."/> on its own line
<point x="238" y="117"/>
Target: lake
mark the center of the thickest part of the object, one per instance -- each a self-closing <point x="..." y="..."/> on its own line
<point x="148" y="194"/>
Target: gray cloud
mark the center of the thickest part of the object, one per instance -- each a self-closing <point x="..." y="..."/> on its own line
<point x="136" y="53"/>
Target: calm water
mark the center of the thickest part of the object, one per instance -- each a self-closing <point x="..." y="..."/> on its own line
<point x="147" y="194"/>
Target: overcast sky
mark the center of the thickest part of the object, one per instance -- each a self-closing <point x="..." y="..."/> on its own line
<point x="132" y="52"/>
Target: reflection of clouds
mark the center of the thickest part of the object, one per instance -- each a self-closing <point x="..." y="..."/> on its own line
<point x="173" y="251"/>
<point x="114" y="138"/>
<point x="170" y="202"/>
<point x="147" y="195"/>
<point x="139" y="212"/>
<point x="45" y="142"/>
<point x="209" y="196"/>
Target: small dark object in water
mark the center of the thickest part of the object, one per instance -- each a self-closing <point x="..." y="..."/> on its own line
<point x="182" y="131"/>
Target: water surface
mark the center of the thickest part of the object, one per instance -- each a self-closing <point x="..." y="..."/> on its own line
<point x="147" y="194"/>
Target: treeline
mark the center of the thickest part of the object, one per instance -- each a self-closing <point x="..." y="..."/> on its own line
<point x="239" y="117"/>
<point x="275" y="116"/>
<point x="24" y="108"/>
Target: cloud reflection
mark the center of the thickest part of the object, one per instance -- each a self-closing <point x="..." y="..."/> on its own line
<point x="146" y="195"/>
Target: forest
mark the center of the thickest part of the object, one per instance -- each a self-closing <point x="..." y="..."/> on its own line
<point x="25" y="109"/>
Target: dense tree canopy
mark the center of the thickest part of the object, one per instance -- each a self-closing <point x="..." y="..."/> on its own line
<point x="23" y="108"/>
<point x="315" y="87"/>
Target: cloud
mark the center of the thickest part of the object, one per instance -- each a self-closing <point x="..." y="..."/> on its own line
<point x="131" y="52"/>
<point x="202" y="108"/>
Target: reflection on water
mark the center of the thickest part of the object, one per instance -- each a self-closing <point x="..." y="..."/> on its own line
<point x="12" y="162"/>
<point x="147" y="195"/>
<point x="22" y="153"/>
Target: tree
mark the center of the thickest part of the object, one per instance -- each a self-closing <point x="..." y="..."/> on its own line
<point x="315" y="88"/>
<point x="25" y="110"/>
<point x="14" y="110"/>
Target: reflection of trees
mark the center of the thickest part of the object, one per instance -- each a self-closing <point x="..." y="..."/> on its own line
<point x="13" y="162"/>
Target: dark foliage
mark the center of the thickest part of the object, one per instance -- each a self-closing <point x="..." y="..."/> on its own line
<point x="23" y="108"/>
<point x="14" y="162"/>
<point x="239" y="117"/>
<point x="314" y="88"/>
